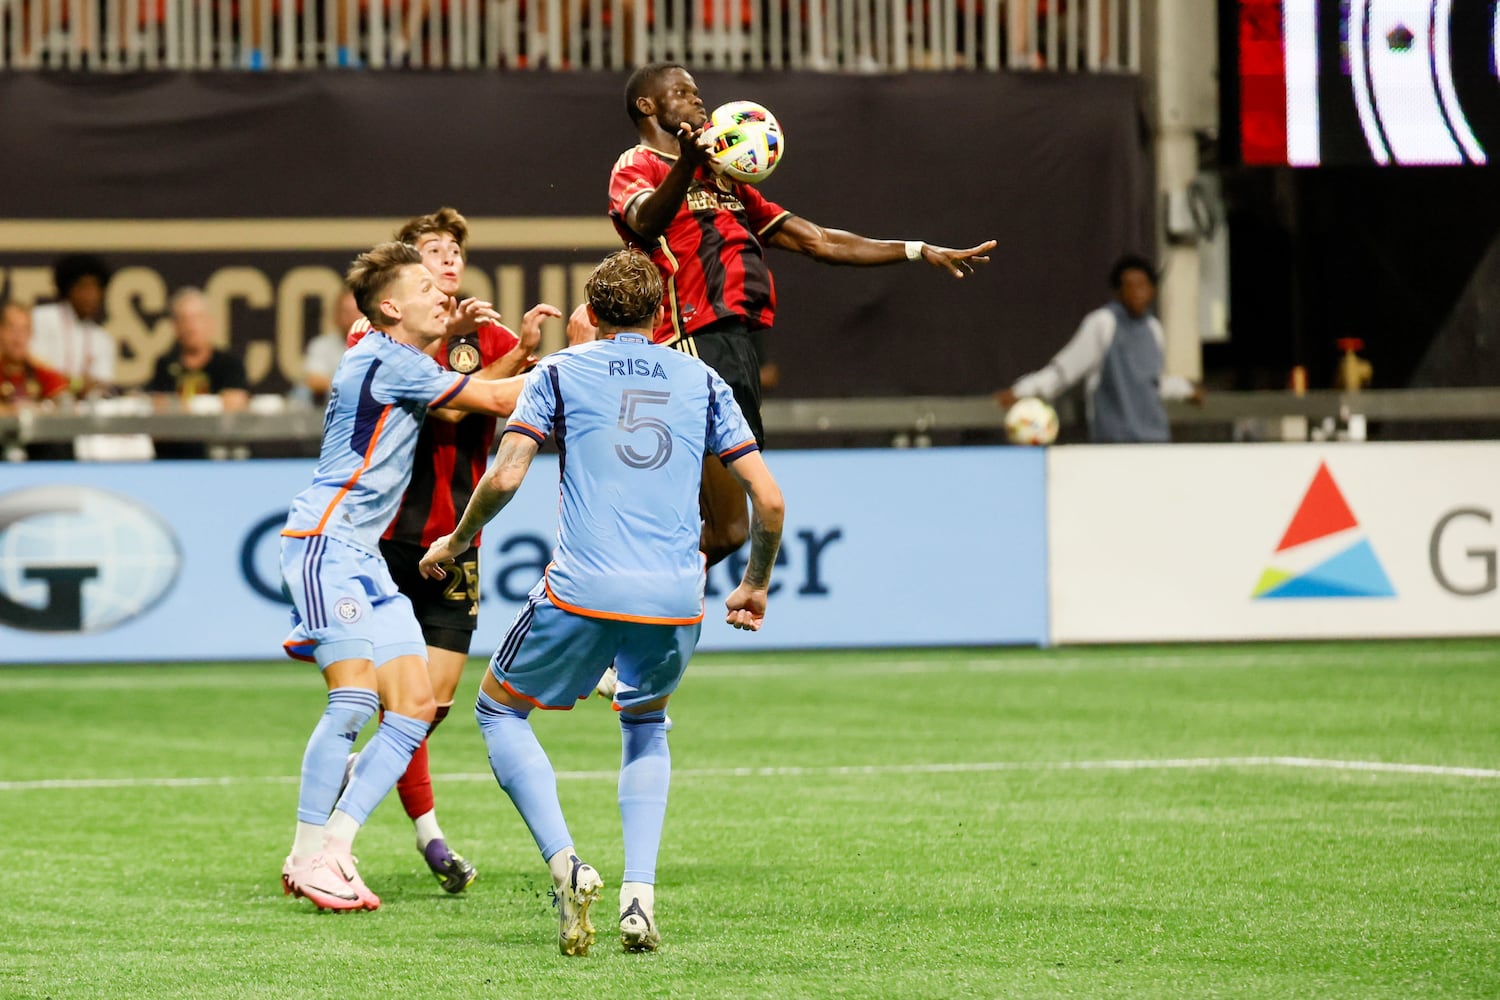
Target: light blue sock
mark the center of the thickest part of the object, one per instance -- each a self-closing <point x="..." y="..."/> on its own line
<point x="328" y="750"/>
<point x="523" y="770"/>
<point x="645" y="774"/>
<point x="381" y="763"/>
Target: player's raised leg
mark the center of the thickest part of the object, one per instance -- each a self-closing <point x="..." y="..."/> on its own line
<point x="545" y="660"/>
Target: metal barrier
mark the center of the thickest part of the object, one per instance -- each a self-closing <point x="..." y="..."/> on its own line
<point x="819" y="35"/>
<point x="293" y="429"/>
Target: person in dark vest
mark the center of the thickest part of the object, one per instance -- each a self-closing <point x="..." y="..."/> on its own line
<point x="1118" y="354"/>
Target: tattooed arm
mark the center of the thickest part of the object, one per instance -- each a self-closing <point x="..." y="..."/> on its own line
<point x="493" y="492"/>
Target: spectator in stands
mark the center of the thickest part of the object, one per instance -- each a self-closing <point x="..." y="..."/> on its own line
<point x="66" y="335"/>
<point x="326" y="350"/>
<point x="22" y="380"/>
<point x="1118" y="353"/>
<point x="194" y="366"/>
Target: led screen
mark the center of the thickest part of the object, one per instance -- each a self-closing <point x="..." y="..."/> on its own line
<point x="1388" y="82"/>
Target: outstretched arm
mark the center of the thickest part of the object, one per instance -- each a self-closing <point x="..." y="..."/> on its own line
<point x="1079" y="359"/>
<point x="747" y="605"/>
<point x="492" y="493"/>
<point x="497" y="398"/>
<point x="838" y="246"/>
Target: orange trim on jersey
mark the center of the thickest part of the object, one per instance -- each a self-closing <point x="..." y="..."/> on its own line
<point x="344" y="491"/>
<point x="289" y="645"/>
<point x="453" y="390"/>
<point x="522" y="427"/>
<point x="615" y="616"/>
<point x="532" y="701"/>
<point x="738" y="451"/>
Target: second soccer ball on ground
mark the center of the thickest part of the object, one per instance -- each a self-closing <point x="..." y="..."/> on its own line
<point x="1031" y="421"/>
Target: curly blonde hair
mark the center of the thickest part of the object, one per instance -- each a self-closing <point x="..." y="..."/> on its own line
<point x="625" y="290"/>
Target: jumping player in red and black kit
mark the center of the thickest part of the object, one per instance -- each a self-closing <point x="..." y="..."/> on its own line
<point x="452" y="453"/>
<point x="707" y="235"/>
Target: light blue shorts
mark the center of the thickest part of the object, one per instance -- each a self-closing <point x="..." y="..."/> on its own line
<point x="553" y="658"/>
<point x="345" y="606"/>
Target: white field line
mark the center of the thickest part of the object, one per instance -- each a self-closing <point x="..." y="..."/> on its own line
<point x="976" y="767"/>
<point x="783" y="665"/>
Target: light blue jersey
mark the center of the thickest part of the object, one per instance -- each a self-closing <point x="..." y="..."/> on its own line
<point x="381" y="392"/>
<point x="632" y="423"/>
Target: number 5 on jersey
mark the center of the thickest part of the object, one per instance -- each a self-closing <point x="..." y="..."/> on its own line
<point x="632" y="401"/>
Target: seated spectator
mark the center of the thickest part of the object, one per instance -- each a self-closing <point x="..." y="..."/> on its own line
<point x="194" y="366"/>
<point x="22" y="380"/>
<point x="66" y="335"/>
<point x="325" y="351"/>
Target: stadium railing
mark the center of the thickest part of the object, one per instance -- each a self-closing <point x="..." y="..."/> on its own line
<point x="817" y="35"/>
<point x="285" y="429"/>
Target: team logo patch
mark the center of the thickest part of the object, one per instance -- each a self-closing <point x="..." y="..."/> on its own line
<point x="347" y="610"/>
<point x="463" y="357"/>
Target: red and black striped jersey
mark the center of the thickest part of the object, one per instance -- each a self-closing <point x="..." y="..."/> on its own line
<point x="451" y="457"/>
<point x="711" y="257"/>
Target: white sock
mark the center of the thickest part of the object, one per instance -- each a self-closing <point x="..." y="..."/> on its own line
<point x="341" y="826"/>
<point x="427" y="829"/>
<point x="645" y="892"/>
<point x="308" y="841"/>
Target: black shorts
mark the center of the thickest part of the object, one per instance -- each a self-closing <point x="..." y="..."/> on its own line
<point x="728" y="349"/>
<point x="448" y="609"/>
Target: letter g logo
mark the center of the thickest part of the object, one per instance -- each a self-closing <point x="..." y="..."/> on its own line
<point x="78" y="559"/>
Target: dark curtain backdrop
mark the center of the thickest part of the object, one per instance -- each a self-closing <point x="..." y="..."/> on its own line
<point x="1055" y="167"/>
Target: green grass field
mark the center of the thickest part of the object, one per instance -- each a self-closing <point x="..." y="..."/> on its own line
<point x="1144" y="822"/>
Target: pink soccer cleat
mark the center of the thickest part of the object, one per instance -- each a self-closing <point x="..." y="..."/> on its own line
<point x="336" y="854"/>
<point x="314" y="880"/>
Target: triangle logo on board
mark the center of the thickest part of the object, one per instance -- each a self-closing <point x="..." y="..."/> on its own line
<point x="1323" y="552"/>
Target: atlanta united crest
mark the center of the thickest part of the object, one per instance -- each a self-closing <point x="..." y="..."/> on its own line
<point x="463" y="357"/>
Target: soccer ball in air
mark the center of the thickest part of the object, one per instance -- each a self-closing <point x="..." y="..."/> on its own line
<point x="1031" y="421"/>
<point x="746" y="141"/>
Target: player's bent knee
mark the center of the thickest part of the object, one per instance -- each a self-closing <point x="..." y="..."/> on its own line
<point x="414" y="707"/>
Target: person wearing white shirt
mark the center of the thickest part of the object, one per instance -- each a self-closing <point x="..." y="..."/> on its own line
<point x="1118" y="354"/>
<point x="324" y="352"/>
<point x="66" y="334"/>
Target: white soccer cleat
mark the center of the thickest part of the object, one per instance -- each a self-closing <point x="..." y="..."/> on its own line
<point x="638" y="926"/>
<point x="575" y="933"/>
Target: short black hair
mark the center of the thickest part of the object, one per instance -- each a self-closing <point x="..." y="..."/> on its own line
<point x="642" y="81"/>
<point x="1130" y="262"/>
<point x="73" y="268"/>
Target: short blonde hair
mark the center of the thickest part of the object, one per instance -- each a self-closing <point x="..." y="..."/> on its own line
<point x="625" y="290"/>
<point x="373" y="271"/>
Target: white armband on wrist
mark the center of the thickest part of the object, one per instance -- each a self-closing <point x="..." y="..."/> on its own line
<point x="914" y="249"/>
